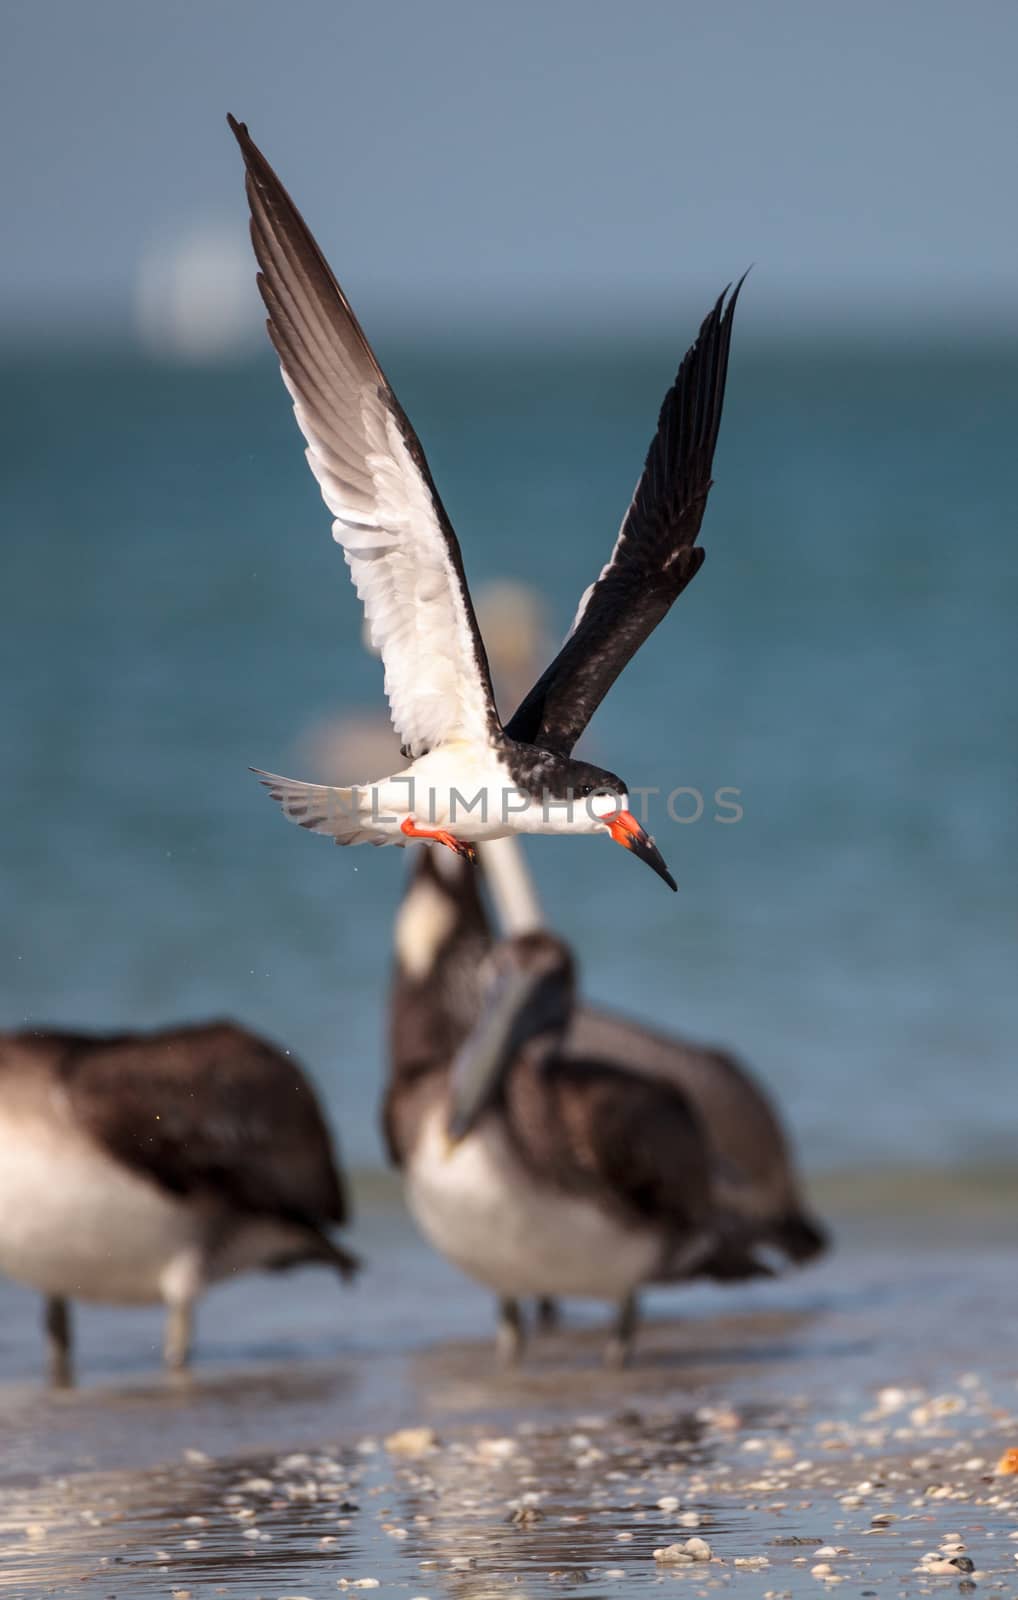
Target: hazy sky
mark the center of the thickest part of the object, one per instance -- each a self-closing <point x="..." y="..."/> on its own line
<point x="593" y="157"/>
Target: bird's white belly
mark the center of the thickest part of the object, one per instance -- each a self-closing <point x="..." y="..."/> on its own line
<point x="74" y="1222"/>
<point x="469" y="791"/>
<point x="457" y="787"/>
<point x="480" y="1207"/>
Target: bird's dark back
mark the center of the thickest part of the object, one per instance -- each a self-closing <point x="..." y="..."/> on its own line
<point x="211" y="1108"/>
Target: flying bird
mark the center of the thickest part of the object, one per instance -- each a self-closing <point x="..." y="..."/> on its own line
<point x="470" y="777"/>
<point x="549" y="1148"/>
<point x="141" y="1168"/>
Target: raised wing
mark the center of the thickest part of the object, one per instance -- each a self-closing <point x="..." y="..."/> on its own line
<point x="655" y="554"/>
<point x="399" y="544"/>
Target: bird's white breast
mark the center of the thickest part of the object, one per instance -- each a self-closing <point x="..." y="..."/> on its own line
<point x="459" y="786"/>
<point x="75" y="1222"/>
<point x="480" y="1207"/>
<point x="468" y="789"/>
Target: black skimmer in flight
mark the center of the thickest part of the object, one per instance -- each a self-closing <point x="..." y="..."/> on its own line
<point x="470" y="778"/>
<point x="551" y="1150"/>
<point x="142" y="1168"/>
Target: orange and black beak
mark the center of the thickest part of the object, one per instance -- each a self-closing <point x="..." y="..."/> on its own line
<point x="625" y="830"/>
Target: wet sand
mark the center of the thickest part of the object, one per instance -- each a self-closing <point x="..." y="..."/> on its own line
<point x="835" y="1430"/>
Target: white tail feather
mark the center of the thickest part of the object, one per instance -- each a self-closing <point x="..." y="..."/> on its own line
<point x="350" y="816"/>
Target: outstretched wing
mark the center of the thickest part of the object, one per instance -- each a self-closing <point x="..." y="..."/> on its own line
<point x="399" y="544"/>
<point x="655" y="555"/>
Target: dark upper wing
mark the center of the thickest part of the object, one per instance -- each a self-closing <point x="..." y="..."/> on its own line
<point x="399" y="544"/>
<point x="655" y="555"/>
<point x="211" y="1108"/>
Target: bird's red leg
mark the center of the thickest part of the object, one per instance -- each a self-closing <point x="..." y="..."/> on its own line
<point x="409" y="827"/>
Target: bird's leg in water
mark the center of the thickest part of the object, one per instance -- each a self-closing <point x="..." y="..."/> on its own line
<point x="57" y="1322"/>
<point x="177" y="1343"/>
<point x="441" y="835"/>
<point x="620" y="1345"/>
<point x="546" y="1315"/>
<point x="509" y="1337"/>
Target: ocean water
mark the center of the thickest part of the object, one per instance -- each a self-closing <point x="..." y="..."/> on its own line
<point x="174" y="611"/>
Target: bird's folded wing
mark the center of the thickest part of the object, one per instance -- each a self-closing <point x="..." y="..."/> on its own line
<point x="655" y="555"/>
<point x="402" y="552"/>
<point x="638" y="1139"/>
<point x="214" y="1110"/>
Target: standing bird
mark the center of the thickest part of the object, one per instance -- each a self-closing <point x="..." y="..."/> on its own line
<point x="137" y="1168"/>
<point x="470" y="778"/>
<point x="492" y="1086"/>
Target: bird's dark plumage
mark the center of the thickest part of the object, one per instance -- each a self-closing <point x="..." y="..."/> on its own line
<point x="209" y="1108"/>
<point x="655" y="556"/>
<point x="635" y="1145"/>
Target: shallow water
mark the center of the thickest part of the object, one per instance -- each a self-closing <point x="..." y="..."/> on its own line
<point x="281" y="1430"/>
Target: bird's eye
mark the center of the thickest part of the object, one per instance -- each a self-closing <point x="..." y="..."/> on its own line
<point x="584" y="790"/>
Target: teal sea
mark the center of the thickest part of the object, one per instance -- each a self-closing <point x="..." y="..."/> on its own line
<point x="174" y="611"/>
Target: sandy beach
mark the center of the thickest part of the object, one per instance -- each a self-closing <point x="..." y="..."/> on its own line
<point x="838" y="1429"/>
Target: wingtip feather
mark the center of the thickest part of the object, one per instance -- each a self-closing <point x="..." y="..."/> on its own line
<point x="239" y="130"/>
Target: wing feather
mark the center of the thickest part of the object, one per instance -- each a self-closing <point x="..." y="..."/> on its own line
<point x="655" y="554"/>
<point x="398" y="542"/>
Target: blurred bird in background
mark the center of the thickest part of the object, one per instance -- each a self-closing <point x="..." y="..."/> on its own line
<point x="141" y="1168"/>
<point x="551" y="1148"/>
